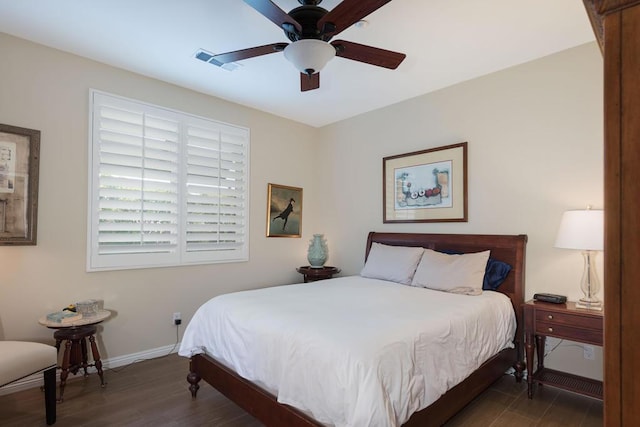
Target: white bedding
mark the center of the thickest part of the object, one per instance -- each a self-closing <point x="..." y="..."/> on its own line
<point x="352" y="351"/>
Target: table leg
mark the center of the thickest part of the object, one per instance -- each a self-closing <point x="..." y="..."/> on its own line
<point x="96" y="359"/>
<point x="85" y="363"/>
<point x="76" y="356"/>
<point x="529" y="347"/>
<point x="76" y="353"/>
<point x="65" y="368"/>
<point x="540" y="344"/>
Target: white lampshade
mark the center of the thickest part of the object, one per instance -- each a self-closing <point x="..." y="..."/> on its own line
<point x="309" y="55"/>
<point x="582" y="230"/>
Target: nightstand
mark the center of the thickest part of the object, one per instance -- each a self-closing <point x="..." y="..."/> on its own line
<point x="312" y="274"/>
<point x="563" y="321"/>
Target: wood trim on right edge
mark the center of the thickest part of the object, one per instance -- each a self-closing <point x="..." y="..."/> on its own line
<point x="629" y="208"/>
<point x="612" y="204"/>
<point x="621" y="22"/>
<point x="617" y="26"/>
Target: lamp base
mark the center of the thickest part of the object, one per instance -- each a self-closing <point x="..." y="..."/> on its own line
<point x="589" y="305"/>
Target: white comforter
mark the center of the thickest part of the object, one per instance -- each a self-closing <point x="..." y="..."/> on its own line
<point x="352" y="351"/>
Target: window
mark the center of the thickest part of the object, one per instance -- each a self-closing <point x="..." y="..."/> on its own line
<point x="167" y="188"/>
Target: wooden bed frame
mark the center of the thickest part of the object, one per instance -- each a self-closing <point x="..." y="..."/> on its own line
<point x="264" y="406"/>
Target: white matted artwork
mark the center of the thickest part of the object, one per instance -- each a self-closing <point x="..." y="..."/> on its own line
<point x="19" y="166"/>
<point x="426" y="186"/>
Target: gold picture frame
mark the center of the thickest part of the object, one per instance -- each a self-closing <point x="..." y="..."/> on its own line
<point x="426" y="186"/>
<point x="284" y="211"/>
<point x="19" y="173"/>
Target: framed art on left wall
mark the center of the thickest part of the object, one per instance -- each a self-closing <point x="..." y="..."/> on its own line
<point x="19" y="171"/>
<point x="284" y="211"/>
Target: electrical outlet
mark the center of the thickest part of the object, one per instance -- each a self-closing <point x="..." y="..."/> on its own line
<point x="177" y="318"/>
<point x="588" y="352"/>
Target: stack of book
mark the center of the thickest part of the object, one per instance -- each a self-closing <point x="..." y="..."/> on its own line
<point x="64" y="316"/>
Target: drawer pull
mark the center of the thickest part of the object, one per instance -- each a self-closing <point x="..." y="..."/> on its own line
<point x="550" y="329"/>
<point x="550" y="317"/>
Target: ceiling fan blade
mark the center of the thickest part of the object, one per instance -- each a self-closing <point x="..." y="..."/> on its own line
<point x="347" y="13"/>
<point x="273" y="13"/>
<point x="251" y="52"/>
<point x="368" y="54"/>
<point x="309" y="82"/>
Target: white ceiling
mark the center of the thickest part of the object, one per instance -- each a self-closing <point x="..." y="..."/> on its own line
<point x="446" y="42"/>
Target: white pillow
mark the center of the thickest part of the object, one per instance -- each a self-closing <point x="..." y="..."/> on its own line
<point x="462" y="273"/>
<point x="393" y="263"/>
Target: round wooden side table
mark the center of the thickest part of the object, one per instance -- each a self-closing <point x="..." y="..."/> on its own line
<point x="75" y="335"/>
<point x="311" y="274"/>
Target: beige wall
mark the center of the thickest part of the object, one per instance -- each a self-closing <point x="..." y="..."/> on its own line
<point x="535" y="149"/>
<point x="45" y="89"/>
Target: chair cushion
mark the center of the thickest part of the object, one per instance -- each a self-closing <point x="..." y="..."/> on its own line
<point x="19" y="359"/>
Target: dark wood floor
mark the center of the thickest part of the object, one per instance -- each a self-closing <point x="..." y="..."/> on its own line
<point x="155" y="393"/>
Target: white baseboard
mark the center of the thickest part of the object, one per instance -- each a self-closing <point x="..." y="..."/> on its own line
<point x="114" y="362"/>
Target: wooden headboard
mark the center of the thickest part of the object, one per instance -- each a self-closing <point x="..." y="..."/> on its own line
<point x="506" y="248"/>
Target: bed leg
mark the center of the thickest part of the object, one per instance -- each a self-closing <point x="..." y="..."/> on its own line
<point x="519" y="370"/>
<point x="193" y="379"/>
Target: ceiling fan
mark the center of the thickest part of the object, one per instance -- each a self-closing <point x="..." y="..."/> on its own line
<point x="310" y="28"/>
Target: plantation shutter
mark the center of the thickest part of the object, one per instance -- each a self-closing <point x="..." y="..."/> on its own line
<point x="167" y="188"/>
<point x="216" y="187"/>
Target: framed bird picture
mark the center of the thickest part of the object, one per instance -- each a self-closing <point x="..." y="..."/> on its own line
<point x="284" y="211"/>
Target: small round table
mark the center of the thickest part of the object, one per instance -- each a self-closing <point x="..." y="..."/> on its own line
<point x="311" y="274"/>
<point x="75" y="350"/>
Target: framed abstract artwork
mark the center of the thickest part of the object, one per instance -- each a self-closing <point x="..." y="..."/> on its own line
<point x="284" y="211"/>
<point x="19" y="171"/>
<point x="426" y="186"/>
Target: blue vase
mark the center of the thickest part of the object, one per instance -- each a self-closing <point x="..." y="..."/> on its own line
<point x="317" y="254"/>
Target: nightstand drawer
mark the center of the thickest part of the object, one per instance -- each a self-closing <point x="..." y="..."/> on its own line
<point x="556" y="318"/>
<point x="590" y="336"/>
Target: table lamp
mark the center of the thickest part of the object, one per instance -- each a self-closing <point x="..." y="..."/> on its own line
<point x="584" y="230"/>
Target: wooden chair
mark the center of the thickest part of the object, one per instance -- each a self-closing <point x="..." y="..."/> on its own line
<point x="19" y="359"/>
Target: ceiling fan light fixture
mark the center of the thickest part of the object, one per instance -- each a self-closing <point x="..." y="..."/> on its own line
<point x="309" y="55"/>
